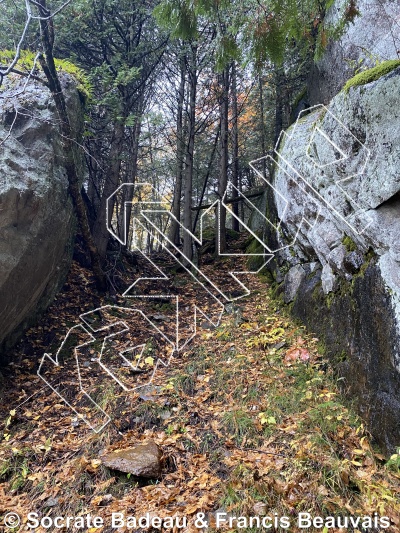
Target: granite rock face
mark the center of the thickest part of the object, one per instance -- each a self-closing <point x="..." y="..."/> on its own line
<point x="337" y="205"/>
<point x="372" y="36"/>
<point x="37" y="224"/>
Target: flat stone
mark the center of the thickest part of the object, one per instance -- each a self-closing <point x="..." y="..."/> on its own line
<point x="143" y="460"/>
<point x="149" y="392"/>
<point x="207" y="325"/>
<point x="293" y="281"/>
<point x="328" y="279"/>
<point x="51" y="502"/>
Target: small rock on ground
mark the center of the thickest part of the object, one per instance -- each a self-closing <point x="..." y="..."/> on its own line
<point x="143" y="460"/>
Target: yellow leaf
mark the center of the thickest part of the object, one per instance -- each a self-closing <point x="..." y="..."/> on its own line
<point x="95" y="463"/>
<point x="12" y="412"/>
<point x="264" y="419"/>
<point x="358" y="452"/>
<point x="149" y="361"/>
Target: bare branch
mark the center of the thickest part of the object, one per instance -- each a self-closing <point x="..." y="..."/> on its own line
<point x="20" y="42"/>
<point x="2" y="141"/>
<point x="50" y="15"/>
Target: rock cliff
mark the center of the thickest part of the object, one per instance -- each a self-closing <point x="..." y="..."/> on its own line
<point x="337" y="206"/>
<point x="372" y="36"/>
<point x="36" y="216"/>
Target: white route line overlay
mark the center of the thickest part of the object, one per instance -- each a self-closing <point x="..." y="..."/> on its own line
<point x="217" y="294"/>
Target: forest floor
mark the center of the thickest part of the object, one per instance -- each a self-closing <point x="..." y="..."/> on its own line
<point x="248" y="415"/>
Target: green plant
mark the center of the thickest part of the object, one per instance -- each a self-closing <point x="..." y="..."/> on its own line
<point x="394" y="462"/>
<point x="16" y="468"/>
<point x="230" y="497"/>
<point x="170" y="429"/>
<point x="238" y="423"/>
<point x="185" y="383"/>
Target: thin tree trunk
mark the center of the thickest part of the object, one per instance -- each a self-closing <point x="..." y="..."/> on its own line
<point x="203" y="191"/>
<point x="128" y="193"/>
<point x="50" y="71"/>
<point x="223" y="173"/>
<point x="100" y="234"/>
<point x="262" y="126"/>
<point x="174" y="234"/>
<point x="279" y="88"/>
<point x="235" y="149"/>
<point x="188" y="190"/>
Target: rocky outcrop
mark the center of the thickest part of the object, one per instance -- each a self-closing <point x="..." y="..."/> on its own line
<point x="36" y="216"/>
<point x="337" y="202"/>
<point x="372" y="36"/>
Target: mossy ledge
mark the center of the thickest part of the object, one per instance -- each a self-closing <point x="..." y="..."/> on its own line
<point x="371" y="74"/>
<point x="26" y="63"/>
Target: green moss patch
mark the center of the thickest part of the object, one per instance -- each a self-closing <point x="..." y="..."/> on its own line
<point x="255" y="251"/>
<point x="349" y="244"/>
<point x="26" y="63"/>
<point x="371" y="74"/>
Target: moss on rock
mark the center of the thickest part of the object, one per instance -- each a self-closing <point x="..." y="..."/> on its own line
<point x="349" y="244"/>
<point x="255" y="250"/>
<point x="372" y="74"/>
<point x="27" y="62"/>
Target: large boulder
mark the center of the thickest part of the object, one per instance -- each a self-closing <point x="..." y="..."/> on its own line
<point x="36" y="216"/>
<point x="372" y="36"/>
<point x="337" y="197"/>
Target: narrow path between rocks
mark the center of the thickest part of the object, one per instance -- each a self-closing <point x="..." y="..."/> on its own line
<point x="249" y="420"/>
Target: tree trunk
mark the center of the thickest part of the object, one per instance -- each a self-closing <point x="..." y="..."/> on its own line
<point x="235" y="149"/>
<point x="279" y="101"/>
<point x="70" y="147"/>
<point x="131" y="178"/>
<point x="223" y="173"/>
<point x="174" y="233"/>
<point x="262" y="126"/>
<point x="188" y="190"/>
<point x="203" y="191"/>
<point x="100" y="234"/>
